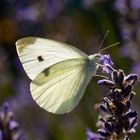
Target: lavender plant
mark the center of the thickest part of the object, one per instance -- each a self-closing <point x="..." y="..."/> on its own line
<point x="117" y="119"/>
<point x="129" y="28"/>
<point x="9" y="128"/>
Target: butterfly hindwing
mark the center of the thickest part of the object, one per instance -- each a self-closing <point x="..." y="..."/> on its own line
<point x="37" y="54"/>
<point x="59" y="88"/>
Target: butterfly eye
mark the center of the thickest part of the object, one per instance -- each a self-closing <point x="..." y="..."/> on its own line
<point x="98" y="58"/>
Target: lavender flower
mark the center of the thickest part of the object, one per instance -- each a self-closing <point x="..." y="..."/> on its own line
<point x="129" y="24"/>
<point x="117" y="119"/>
<point x="9" y="128"/>
<point x="93" y="136"/>
<point x="106" y="60"/>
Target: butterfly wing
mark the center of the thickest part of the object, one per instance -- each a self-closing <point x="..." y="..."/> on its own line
<point x="37" y="54"/>
<point x="59" y="88"/>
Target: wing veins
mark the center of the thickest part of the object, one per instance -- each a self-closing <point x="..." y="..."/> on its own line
<point x="65" y="97"/>
<point x="55" y="84"/>
<point x="78" y="77"/>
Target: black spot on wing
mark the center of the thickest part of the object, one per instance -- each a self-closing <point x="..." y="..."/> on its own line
<point x="40" y="58"/>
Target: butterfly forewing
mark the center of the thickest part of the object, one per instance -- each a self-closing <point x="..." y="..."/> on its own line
<point x="37" y="54"/>
<point x="61" y="89"/>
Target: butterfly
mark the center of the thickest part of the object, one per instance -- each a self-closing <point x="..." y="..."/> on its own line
<point x="59" y="72"/>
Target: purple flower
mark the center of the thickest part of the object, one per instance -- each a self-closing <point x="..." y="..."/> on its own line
<point x="28" y="13"/>
<point x="106" y="60"/>
<point x="136" y="68"/>
<point x="129" y="23"/>
<point x="92" y="136"/>
<point x="117" y="119"/>
<point x="9" y="127"/>
<point x="53" y="8"/>
<point x="121" y="6"/>
<point x="135" y="4"/>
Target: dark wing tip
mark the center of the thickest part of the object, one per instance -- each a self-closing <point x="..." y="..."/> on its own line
<point x="26" y="40"/>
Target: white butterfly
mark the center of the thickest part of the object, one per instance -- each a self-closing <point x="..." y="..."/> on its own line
<point x="59" y="72"/>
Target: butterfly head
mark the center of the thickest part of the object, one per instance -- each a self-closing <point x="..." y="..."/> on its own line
<point x="95" y="57"/>
<point x="98" y="57"/>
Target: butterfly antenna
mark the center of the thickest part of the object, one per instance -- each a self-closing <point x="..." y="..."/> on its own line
<point x="103" y="39"/>
<point x="109" y="46"/>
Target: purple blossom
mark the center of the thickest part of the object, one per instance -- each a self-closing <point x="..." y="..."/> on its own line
<point x="13" y="124"/>
<point x="92" y="136"/>
<point x="9" y="128"/>
<point x="106" y="60"/>
<point x="53" y="8"/>
<point x="135" y="4"/>
<point x="121" y="6"/>
<point x="116" y="116"/>
<point x="0" y="135"/>
<point x="129" y="24"/>
<point x="28" y="13"/>
<point x="136" y="68"/>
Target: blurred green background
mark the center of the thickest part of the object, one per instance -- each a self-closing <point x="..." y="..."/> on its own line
<point x="81" y="23"/>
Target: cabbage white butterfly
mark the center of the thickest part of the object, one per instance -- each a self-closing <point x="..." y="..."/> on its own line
<point x="59" y="72"/>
